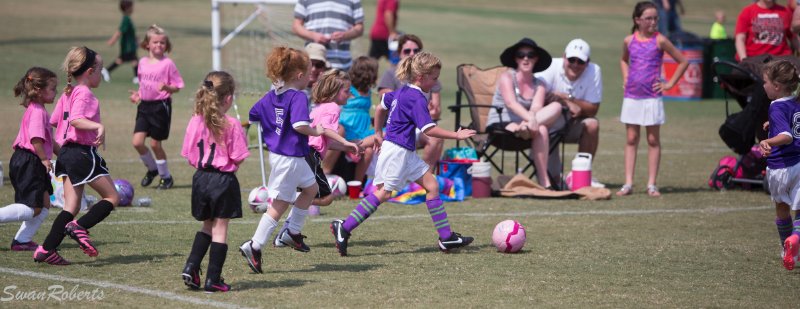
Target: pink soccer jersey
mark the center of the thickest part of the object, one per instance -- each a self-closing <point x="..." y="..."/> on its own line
<point x="79" y="104"/>
<point x="35" y="124"/>
<point x="199" y="146"/>
<point x="327" y="116"/>
<point x="153" y="73"/>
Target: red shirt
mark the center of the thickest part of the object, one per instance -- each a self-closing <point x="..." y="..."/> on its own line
<point x="379" y="30"/>
<point x="767" y="31"/>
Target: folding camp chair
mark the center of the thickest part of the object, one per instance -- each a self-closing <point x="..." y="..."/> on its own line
<point x="478" y="86"/>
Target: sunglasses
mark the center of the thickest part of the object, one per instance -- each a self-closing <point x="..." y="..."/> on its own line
<point x="407" y="51"/>
<point x="318" y="64"/>
<point x="522" y="55"/>
<point x="575" y="60"/>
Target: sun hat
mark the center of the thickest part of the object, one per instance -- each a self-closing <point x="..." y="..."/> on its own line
<point x="507" y="58"/>
<point x="317" y="51"/>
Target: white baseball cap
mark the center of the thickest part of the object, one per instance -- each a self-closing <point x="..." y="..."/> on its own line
<point x="578" y="48"/>
<point x="317" y="51"/>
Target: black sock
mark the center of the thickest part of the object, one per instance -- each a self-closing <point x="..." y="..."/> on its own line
<point x="216" y="259"/>
<point x="57" y="231"/>
<point x="97" y="213"/>
<point x="135" y="71"/>
<point x="111" y="67"/>
<point x="199" y="248"/>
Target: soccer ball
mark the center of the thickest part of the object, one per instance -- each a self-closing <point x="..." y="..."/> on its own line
<point x="338" y="185"/>
<point x="125" y="191"/>
<point x="259" y="199"/>
<point x="509" y="236"/>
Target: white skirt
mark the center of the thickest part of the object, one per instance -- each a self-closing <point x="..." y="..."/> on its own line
<point x="643" y="112"/>
<point x="286" y="175"/>
<point x="397" y="167"/>
<point x="784" y="184"/>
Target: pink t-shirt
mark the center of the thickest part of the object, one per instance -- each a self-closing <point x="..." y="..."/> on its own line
<point x="199" y="141"/>
<point x="153" y="73"/>
<point x="327" y="116"/>
<point x="35" y="124"/>
<point x="78" y="104"/>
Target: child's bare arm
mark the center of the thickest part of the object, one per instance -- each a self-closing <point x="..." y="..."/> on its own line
<point x="331" y="134"/>
<point x="766" y="145"/>
<point x="114" y="38"/>
<point x="435" y="131"/>
<point x="308" y="130"/>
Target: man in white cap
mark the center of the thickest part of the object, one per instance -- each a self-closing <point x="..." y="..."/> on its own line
<point x="577" y="83"/>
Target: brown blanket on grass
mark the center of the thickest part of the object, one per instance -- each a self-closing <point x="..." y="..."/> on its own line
<point x="522" y="186"/>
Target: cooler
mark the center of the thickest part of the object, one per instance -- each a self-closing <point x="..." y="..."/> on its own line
<point x="690" y="85"/>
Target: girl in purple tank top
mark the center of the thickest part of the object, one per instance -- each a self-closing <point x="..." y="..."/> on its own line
<point x="641" y="61"/>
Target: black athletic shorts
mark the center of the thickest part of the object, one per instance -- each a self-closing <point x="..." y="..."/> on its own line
<point x="81" y="163"/>
<point x="379" y="48"/>
<point x="215" y="194"/>
<point x="29" y="178"/>
<point x="314" y="161"/>
<point x="154" y="118"/>
<point x="128" y="57"/>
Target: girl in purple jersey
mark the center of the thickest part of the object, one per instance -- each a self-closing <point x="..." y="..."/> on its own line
<point x="286" y="125"/>
<point x="398" y="162"/>
<point x="642" y="106"/>
<point x="782" y="149"/>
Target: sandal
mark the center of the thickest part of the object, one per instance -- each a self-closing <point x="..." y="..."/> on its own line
<point x="652" y="190"/>
<point x="625" y="190"/>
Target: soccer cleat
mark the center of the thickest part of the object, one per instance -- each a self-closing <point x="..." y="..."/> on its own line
<point x="340" y="236"/>
<point x="790" y="246"/>
<point x="135" y="81"/>
<point x="294" y="241"/>
<point x="455" y="241"/>
<point x="49" y="257"/>
<point x="106" y="75"/>
<point x="191" y="276"/>
<point x="81" y="235"/>
<point x="277" y="241"/>
<point x="219" y="286"/>
<point x="23" y="246"/>
<point x="148" y="178"/>
<point x="165" y="183"/>
<point x="252" y="256"/>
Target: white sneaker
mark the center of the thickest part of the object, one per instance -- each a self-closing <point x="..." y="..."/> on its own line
<point x="136" y="80"/>
<point x="597" y="184"/>
<point x="106" y="75"/>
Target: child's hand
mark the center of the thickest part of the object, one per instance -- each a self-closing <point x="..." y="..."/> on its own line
<point x="47" y="165"/>
<point x="352" y="147"/>
<point x="319" y="130"/>
<point x="765" y="148"/>
<point x="766" y="125"/>
<point x="376" y="146"/>
<point x="101" y="135"/>
<point x="462" y="133"/>
<point x="134" y="96"/>
<point x="162" y="87"/>
<point x="660" y="86"/>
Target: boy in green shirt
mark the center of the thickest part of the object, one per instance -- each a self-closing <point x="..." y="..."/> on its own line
<point x="126" y="34"/>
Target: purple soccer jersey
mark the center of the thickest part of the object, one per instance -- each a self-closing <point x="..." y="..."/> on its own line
<point x="408" y="110"/>
<point x="784" y="118"/>
<point x="279" y="113"/>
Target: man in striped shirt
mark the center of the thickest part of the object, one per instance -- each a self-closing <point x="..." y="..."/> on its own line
<point x="332" y="23"/>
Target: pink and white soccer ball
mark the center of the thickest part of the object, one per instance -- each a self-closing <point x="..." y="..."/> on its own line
<point x="509" y="236"/>
<point x="338" y="185"/>
<point x="259" y="199"/>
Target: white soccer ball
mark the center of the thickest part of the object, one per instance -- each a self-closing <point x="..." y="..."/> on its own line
<point x="259" y="199"/>
<point x="338" y="185"/>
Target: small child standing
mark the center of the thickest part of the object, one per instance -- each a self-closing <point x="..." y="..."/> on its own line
<point x="782" y="149"/>
<point x="398" y="162"/>
<point x="642" y="55"/>
<point x="158" y="80"/>
<point x="126" y="34"/>
<point x="283" y="115"/>
<point x="79" y="132"/>
<point x="30" y="163"/>
<point x="717" y="29"/>
<point x="215" y="145"/>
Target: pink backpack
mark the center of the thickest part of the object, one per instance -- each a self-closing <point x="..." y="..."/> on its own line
<point x="719" y="179"/>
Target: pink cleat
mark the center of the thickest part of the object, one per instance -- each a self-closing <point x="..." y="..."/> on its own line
<point x="790" y="247"/>
<point x="23" y="246"/>
<point x="49" y="257"/>
<point x="81" y="235"/>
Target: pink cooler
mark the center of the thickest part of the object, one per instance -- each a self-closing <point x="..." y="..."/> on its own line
<point x="581" y="170"/>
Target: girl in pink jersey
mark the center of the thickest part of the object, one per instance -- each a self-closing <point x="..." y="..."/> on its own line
<point x="215" y="145"/>
<point x="642" y="105"/>
<point x="30" y="162"/>
<point x="158" y="80"/>
<point x="79" y="133"/>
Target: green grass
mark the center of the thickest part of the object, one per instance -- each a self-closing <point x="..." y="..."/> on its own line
<point x="693" y="247"/>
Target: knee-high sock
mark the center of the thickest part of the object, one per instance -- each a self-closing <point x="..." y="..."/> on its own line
<point x="135" y="71"/>
<point x="111" y="67"/>
<point x="363" y="210"/>
<point x="199" y="248"/>
<point x="216" y="259"/>
<point x="149" y="161"/>
<point x="15" y="212"/>
<point x="57" y="231"/>
<point x="97" y="213"/>
<point x="163" y="170"/>
<point x="264" y="229"/>
<point x="439" y="217"/>
<point x="297" y="220"/>
<point x="29" y="227"/>
<point x="784" y="228"/>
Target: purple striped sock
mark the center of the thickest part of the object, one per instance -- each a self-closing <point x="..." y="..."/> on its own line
<point x="364" y="209"/>
<point x="784" y="228"/>
<point x="796" y="227"/>
<point x="439" y="217"/>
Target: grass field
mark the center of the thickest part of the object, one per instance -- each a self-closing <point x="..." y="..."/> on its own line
<point x="693" y="247"/>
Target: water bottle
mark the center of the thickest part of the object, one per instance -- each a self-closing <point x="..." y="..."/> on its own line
<point x="581" y="170"/>
<point x="144" y="201"/>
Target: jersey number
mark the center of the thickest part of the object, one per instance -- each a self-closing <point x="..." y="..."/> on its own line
<point x="201" y="148"/>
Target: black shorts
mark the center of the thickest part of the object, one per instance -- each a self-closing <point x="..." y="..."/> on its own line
<point x="314" y="161"/>
<point x="379" y="48"/>
<point x="215" y="194"/>
<point x="154" y="118"/>
<point x="128" y="57"/>
<point x="29" y="178"/>
<point x="81" y="163"/>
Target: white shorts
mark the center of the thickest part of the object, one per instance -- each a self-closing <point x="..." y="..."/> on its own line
<point x="643" y="112"/>
<point x="397" y="167"/>
<point x="286" y="175"/>
<point x="784" y="184"/>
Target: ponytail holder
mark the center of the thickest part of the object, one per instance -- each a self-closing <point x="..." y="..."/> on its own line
<point x="208" y="85"/>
